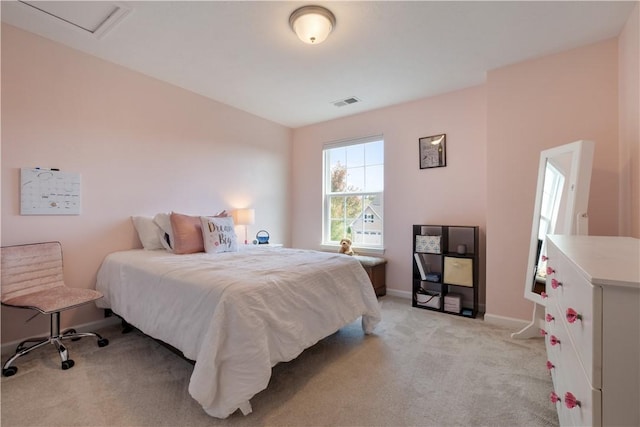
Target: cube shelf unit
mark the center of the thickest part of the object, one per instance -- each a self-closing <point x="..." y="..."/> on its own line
<point x="448" y="278"/>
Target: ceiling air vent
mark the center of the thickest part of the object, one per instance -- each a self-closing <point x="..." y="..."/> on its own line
<point x="346" y="101"/>
<point x="94" y="17"/>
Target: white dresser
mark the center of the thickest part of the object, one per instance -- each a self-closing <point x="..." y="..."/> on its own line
<point x="592" y="329"/>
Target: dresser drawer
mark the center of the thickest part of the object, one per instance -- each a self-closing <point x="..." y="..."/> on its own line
<point x="560" y="350"/>
<point x="589" y="410"/>
<point x="569" y="377"/>
<point x="556" y="336"/>
<point x="597" y="357"/>
<point x="572" y="293"/>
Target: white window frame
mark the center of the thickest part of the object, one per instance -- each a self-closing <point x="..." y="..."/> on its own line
<point x="326" y="194"/>
<point x="552" y="195"/>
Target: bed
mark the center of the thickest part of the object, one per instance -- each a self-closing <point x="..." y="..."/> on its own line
<point x="237" y="314"/>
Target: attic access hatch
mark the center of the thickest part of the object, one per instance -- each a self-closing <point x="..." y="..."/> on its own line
<point x="94" y="17"/>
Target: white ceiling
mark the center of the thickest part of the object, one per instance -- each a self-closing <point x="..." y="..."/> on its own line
<point x="245" y="55"/>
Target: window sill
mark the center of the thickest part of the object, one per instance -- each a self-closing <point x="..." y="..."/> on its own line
<point x="359" y="251"/>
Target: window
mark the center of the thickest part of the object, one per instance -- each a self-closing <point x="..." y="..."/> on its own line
<point x="551" y="198"/>
<point x="354" y="192"/>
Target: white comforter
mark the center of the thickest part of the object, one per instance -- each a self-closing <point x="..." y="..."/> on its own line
<point x="237" y="314"/>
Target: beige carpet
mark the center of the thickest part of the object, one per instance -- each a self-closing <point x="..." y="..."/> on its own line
<point x="421" y="368"/>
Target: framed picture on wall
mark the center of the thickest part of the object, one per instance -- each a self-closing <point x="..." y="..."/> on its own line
<point x="433" y="151"/>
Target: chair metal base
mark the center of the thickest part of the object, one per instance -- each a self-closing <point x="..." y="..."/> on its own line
<point x="54" y="338"/>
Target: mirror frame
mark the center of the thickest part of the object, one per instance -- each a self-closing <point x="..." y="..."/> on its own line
<point x="575" y="213"/>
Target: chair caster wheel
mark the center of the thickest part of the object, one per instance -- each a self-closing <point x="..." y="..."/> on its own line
<point x="103" y="342"/>
<point x="67" y="364"/>
<point x="11" y="370"/>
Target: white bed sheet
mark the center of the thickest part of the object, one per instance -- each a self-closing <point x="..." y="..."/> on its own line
<point x="237" y="314"/>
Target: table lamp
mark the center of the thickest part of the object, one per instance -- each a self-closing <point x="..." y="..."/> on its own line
<point x="244" y="217"/>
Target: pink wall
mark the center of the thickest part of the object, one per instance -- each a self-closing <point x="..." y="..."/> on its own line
<point x="141" y="147"/>
<point x="453" y="195"/>
<point x="494" y="132"/>
<point x="533" y="106"/>
<point x="629" y="124"/>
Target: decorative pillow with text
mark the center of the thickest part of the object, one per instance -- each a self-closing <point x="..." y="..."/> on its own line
<point x="219" y="234"/>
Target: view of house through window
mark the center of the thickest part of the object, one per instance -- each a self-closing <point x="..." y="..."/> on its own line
<point x="353" y="192"/>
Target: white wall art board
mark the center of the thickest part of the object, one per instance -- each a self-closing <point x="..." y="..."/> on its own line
<point x="49" y="192"/>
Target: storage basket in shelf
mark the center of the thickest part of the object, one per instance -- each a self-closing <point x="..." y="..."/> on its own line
<point x="428" y="299"/>
<point x="458" y="271"/>
<point x="428" y="244"/>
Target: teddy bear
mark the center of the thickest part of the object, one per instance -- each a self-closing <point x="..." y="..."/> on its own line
<point x="345" y="247"/>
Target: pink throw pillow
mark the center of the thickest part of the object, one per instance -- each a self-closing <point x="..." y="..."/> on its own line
<point x="187" y="234"/>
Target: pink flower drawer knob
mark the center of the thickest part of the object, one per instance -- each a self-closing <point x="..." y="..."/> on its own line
<point x="570" y="400"/>
<point x="549" y="318"/>
<point x="543" y="332"/>
<point x="555" y="284"/>
<point x="550" y="271"/>
<point x="554" y="340"/>
<point x="573" y="315"/>
<point x="554" y="397"/>
<point x="550" y="365"/>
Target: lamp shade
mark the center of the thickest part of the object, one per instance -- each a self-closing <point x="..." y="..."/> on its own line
<point x="244" y="216"/>
<point x="312" y="24"/>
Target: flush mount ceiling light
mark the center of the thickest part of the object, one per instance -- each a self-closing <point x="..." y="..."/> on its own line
<point x="312" y="24"/>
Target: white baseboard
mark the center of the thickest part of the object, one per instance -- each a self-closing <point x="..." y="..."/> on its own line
<point x="407" y="295"/>
<point x="9" y="348"/>
<point x="399" y="294"/>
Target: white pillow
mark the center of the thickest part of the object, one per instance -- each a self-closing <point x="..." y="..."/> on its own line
<point x="165" y="232"/>
<point x="218" y="234"/>
<point x="148" y="232"/>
